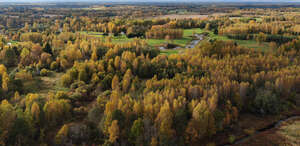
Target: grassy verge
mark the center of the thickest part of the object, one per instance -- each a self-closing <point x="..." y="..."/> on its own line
<point x="169" y="52"/>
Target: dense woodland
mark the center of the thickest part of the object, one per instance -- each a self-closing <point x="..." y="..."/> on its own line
<point x="108" y="93"/>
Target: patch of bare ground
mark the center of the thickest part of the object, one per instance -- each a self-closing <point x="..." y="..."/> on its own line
<point x="286" y="134"/>
<point x="51" y="83"/>
<point x="253" y="130"/>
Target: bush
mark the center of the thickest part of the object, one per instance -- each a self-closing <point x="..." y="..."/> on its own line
<point x="231" y="139"/>
<point x="54" y="66"/>
<point x="76" y="96"/>
<point x="77" y="84"/>
<point x="61" y="95"/>
<point x="45" y="72"/>
<point x="266" y="102"/>
<point x="23" y="75"/>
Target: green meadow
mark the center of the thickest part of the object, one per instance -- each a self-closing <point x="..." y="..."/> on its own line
<point x="187" y="38"/>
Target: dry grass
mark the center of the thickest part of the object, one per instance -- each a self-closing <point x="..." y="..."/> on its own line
<point x="51" y="84"/>
<point x="291" y="131"/>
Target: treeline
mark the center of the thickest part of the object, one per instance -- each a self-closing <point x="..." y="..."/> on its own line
<point x="160" y="32"/>
<point x="132" y="28"/>
<point x="261" y="37"/>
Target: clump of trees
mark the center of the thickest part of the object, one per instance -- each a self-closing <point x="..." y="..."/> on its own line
<point x="161" y="32"/>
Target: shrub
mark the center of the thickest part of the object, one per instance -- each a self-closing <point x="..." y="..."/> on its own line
<point x="77" y="84"/>
<point x="54" y="66"/>
<point x="61" y="95"/>
<point x="23" y="75"/>
<point x="76" y="96"/>
<point x="266" y="102"/>
<point x="44" y="72"/>
<point x="231" y="139"/>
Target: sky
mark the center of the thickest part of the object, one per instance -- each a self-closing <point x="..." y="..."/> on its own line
<point x="150" y="0"/>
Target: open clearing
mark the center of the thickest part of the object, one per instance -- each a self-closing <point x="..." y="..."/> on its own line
<point x="287" y="134"/>
<point x="177" y="16"/>
<point x="291" y="131"/>
<point x="187" y="38"/>
<point x="44" y="85"/>
<point x="51" y="83"/>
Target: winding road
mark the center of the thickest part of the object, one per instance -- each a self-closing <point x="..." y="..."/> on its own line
<point x="192" y="44"/>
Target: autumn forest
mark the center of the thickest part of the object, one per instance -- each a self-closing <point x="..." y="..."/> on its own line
<point x="153" y="74"/>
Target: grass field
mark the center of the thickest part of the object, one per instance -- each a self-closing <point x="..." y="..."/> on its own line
<point x="115" y="39"/>
<point x="264" y="46"/>
<point x="187" y="38"/>
<point x="121" y="39"/>
<point x="255" y="45"/>
<point x="169" y="52"/>
<point x="217" y="37"/>
<point x="189" y="32"/>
